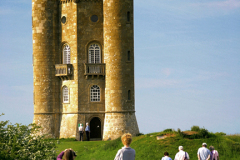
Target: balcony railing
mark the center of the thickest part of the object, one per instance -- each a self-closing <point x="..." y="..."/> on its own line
<point x="94" y="69"/>
<point x="63" y="70"/>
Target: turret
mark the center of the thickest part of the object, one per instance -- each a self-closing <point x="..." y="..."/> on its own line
<point x="119" y="58"/>
<point x="45" y="55"/>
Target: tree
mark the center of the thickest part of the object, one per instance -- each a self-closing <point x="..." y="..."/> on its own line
<point x="19" y="142"/>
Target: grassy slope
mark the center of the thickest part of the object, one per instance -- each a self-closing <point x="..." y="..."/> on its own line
<point x="148" y="148"/>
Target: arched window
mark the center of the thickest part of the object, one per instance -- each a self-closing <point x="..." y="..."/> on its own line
<point x="95" y="93"/>
<point x="66" y="54"/>
<point x="94" y="53"/>
<point x="65" y="94"/>
<point x="129" y="95"/>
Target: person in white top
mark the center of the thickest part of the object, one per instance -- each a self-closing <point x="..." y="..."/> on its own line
<point x="181" y="155"/>
<point x="126" y="153"/>
<point x="81" y="131"/>
<point x="203" y="153"/>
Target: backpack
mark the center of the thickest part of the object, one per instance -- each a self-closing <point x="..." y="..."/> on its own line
<point x="185" y="156"/>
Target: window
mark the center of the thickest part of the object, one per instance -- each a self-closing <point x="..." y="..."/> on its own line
<point x="128" y="16"/>
<point x="128" y="56"/>
<point x="129" y="95"/>
<point x="95" y="93"/>
<point x="65" y="94"/>
<point x="66" y="54"/>
<point x="94" y="53"/>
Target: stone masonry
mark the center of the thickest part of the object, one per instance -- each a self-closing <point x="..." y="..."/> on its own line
<point x="81" y="24"/>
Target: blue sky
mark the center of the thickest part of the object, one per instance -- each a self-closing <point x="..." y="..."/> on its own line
<point x="187" y="64"/>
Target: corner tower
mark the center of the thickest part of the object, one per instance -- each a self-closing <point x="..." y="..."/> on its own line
<point x="45" y="56"/>
<point x="119" y="58"/>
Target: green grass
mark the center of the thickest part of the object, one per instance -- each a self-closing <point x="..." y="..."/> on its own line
<point x="147" y="147"/>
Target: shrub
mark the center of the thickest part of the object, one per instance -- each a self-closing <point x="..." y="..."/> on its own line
<point x="168" y="130"/>
<point x="221" y="133"/>
<point x="139" y="134"/>
<point x="195" y="128"/>
<point x="21" y="142"/>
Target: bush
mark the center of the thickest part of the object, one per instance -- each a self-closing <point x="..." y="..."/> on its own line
<point x="221" y="133"/>
<point x="22" y="142"/>
<point x="139" y="134"/>
<point x="168" y="130"/>
<point x="195" y="128"/>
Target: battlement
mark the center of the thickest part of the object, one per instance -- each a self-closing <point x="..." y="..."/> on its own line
<point x="76" y="1"/>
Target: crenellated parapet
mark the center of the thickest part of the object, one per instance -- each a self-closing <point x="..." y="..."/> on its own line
<point x="76" y="1"/>
<point x="67" y="1"/>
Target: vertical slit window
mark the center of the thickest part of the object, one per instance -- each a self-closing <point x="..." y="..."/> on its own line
<point x="128" y="56"/>
<point x="95" y="93"/>
<point x="66" y="54"/>
<point x="94" y="54"/>
<point x="129" y="95"/>
<point x="128" y="16"/>
<point x="65" y="95"/>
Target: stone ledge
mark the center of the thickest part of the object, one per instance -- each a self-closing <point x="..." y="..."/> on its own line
<point x="85" y="112"/>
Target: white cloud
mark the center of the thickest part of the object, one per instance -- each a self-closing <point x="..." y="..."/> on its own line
<point x="167" y="71"/>
<point x="178" y="82"/>
<point x="227" y="5"/>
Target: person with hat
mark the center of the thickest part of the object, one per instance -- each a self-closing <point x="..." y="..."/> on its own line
<point x="81" y="131"/>
<point x="181" y="155"/>
<point x="203" y="153"/>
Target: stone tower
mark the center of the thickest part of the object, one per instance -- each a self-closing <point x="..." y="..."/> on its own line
<point x="83" y="65"/>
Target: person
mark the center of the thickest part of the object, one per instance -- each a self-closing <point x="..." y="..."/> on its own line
<point x="67" y="154"/>
<point x="166" y="156"/>
<point x="181" y="155"/>
<point x="87" y="130"/>
<point x="214" y="153"/>
<point x="203" y="153"/>
<point x="126" y="153"/>
<point x="81" y="131"/>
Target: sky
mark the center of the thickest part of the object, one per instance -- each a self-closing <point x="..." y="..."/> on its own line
<point x="187" y="64"/>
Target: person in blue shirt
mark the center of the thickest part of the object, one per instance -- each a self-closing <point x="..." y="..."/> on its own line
<point x="87" y="130"/>
<point x="166" y="156"/>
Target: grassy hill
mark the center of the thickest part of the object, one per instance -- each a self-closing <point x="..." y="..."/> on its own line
<point x="147" y="146"/>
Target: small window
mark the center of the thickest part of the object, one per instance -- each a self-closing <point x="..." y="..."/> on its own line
<point x="128" y="16"/>
<point x="129" y="95"/>
<point x="63" y="19"/>
<point x="95" y="93"/>
<point x="94" y="53"/>
<point x="94" y="18"/>
<point x="65" y="94"/>
<point x="66" y="54"/>
<point x="128" y="56"/>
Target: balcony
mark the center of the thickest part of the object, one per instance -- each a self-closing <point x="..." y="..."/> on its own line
<point x="94" y="69"/>
<point x="63" y="71"/>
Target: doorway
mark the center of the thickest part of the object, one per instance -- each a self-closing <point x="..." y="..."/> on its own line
<point x="95" y="128"/>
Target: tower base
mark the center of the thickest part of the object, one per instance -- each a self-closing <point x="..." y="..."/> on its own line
<point x="116" y="124"/>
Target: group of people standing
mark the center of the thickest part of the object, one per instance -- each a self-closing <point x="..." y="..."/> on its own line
<point x="81" y="132"/>
<point x="127" y="153"/>
<point x="202" y="154"/>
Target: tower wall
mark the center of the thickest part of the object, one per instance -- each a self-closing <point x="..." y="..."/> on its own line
<point x="119" y="58"/>
<point x="68" y="35"/>
<point x="45" y="55"/>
